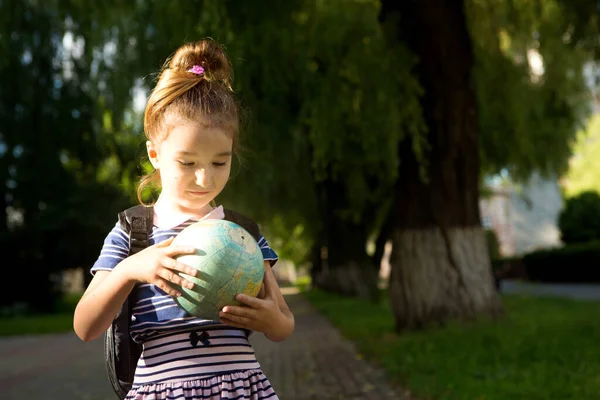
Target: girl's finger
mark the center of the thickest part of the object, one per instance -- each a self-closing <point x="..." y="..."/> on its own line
<point x="245" y="312"/>
<point x="168" y="289"/>
<point x="229" y="322"/>
<point x="249" y="300"/>
<point x="234" y="318"/>
<point x="172" y="277"/>
<point x="175" y="265"/>
<point x="180" y="250"/>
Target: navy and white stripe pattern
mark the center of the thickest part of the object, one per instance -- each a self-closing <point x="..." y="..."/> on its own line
<point x="249" y="384"/>
<point x="174" y="363"/>
<point x="179" y="357"/>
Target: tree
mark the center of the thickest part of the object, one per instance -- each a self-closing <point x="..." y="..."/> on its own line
<point x="484" y="108"/>
<point x="440" y="265"/>
<point x="584" y="169"/>
<point x="323" y="131"/>
<point x="337" y="111"/>
<point x="327" y="128"/>
<point x="320" y="84"/>
<point x="56" y="209"/>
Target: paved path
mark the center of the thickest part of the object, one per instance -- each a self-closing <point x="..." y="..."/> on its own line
<point x="318" y="363"/>
<point x="52" y="367"/>
<point x="315" y="363"/>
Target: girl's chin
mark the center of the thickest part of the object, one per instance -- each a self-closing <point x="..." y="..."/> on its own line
<point x="190" y="202"/>
<point x="198" y="203"/>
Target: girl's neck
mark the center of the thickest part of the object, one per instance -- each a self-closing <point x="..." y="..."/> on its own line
<point x="172" y="207"/>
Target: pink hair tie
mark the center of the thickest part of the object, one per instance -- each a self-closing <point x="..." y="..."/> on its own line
<point x="196" y="69"/>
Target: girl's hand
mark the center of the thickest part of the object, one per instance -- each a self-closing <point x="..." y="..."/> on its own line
<point x="156" y="265"/>
<point x="268" y="315"/>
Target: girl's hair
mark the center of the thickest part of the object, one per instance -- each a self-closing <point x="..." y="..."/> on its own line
<point x="195" y="85"/>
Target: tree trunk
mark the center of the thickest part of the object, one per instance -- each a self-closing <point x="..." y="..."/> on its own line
<point x="385" y="234"/>
<point x="440" y="265"/>
<point x="346" y="268"/>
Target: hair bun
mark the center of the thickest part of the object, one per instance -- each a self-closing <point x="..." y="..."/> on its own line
<point x="206" y="53"/>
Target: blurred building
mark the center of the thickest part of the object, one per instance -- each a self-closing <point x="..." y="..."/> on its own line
<point x="524" y="217"/>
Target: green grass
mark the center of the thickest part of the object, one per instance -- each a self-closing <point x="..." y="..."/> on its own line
<point x="302" y="283"/>
<point x="542" y="349"/>
<point x="36" y="324"/>
<point x="61" y="321"/>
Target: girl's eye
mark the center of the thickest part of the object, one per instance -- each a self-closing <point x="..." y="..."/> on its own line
<point x="219" y="164"/>
<point x="185" y="163"/>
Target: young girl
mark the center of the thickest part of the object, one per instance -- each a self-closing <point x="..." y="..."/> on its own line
<point x="191" y="122"/>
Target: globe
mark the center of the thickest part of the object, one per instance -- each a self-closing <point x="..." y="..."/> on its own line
<point x="228" y="260"/>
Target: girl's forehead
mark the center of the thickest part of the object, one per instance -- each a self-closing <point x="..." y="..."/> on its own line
<point x="194" y="137"/>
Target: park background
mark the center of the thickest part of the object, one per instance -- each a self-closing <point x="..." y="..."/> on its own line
<point x="407" y="160"/>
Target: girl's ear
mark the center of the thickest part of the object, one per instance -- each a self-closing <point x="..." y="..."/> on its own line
<point x="152" y="154"/>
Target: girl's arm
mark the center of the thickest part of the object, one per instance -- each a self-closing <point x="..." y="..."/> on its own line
<point x="108" y="290"/>
<point x="101" y="303"/>
<point x="285" y="325"/>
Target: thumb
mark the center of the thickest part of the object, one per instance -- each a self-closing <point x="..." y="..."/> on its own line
<point x="165" y="243"/>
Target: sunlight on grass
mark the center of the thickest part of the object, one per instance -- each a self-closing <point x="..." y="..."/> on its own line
<point x="61" y="321"/>
<point x="302" y="283"/>
<point x="36" y="325"/>
<point x="542" y="349"/>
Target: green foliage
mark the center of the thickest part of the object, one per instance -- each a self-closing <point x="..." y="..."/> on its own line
<point x="55" y="211"/>
<point x="584" y="167"/>
<point x="572" y="263"/>
<point x="20" y="320"/>
<point x="323" y="114"/>
<point x="530" y="85"/>
<point x="326" y="102"/>
<point x="544" y="349"/>
<point x="314" y="97"/>
<point x="579" y="221"/>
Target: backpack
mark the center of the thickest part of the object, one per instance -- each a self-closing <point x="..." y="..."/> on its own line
<point x="121" y="353"/>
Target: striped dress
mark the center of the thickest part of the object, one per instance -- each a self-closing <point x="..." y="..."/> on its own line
<point x="185" y="357"/>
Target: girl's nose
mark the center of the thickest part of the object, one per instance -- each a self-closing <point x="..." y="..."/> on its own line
<point x="202" y="178"/>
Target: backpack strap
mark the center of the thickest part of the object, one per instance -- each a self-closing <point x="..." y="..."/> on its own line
<point x="121" y="352"/>
<point x="137" y="221"/>
<point x="244" y="222"/>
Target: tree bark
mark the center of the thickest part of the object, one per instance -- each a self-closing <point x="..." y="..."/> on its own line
<point x="346" y="268"/>
<point x="385" y="234"/>
<point x="440" y="265"/>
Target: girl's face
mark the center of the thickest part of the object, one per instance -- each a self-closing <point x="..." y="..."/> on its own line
<point x="194" y="163"/>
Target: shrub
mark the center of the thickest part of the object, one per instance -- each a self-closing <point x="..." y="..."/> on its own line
<point x="510" y="268"/>
<point x="577" y="263"/>
<point x="579" y="221"/>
